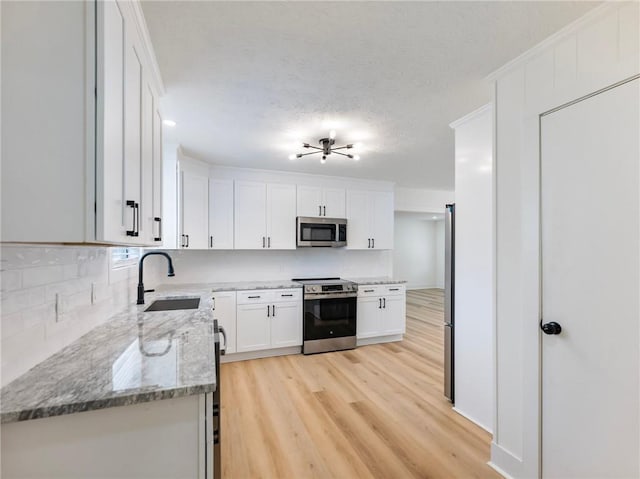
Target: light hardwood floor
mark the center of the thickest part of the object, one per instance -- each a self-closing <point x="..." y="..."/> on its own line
<point x="375" y="411"/>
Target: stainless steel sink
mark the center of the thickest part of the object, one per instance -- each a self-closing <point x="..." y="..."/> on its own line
<point x="171" y="304"/>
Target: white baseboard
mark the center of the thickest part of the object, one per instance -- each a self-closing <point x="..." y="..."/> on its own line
<point x="473" y="420"/>
<point x="505" y="462"/>
<point x="267" y="353"/>
<point x="379" y="339"/>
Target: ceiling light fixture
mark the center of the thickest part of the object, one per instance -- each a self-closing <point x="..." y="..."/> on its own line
<point x="327" y="148"/>
<point x="170" y="123"/>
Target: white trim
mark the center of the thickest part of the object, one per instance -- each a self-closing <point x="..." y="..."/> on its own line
<point x="379" y="339"/>
<point x="470" y="116"/>
<point x="502" y="460"/>
<point x="265" y="353"/>
<point x="541" y="47"/>
<point x="472" y="419"/>
<point x="149" y="52"/>
<point x="499" y="470"/>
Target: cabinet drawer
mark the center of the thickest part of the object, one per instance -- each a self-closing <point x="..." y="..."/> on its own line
<point x="392" y="289"/>
<point x="255" y="296"/>
<point x="286" y="295"/>
<point x="369" y="290"/>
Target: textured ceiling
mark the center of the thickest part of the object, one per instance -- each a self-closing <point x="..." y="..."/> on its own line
<point x="247" y="81"/>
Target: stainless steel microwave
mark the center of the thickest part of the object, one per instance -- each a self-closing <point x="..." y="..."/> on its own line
<point x="322" y="232"/>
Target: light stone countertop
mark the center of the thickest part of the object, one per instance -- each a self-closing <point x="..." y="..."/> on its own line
<point x="377" y="280"/>
<point x="231" y="286"/>
<point x="133" y="357"/>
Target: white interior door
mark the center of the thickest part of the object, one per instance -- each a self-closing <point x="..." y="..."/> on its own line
<point x="590" y="286"/>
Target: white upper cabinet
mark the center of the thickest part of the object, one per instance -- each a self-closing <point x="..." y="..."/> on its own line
<point x="265" y="215"/>
<point x="194" y="214"/>
<point x="220" y="214"/>
<point x="250" y="215"/>
<point x="281" y="216"/>
<point x="315" y="201"/>
<point x="370" y="219"/>
<point x="78" y="134"/>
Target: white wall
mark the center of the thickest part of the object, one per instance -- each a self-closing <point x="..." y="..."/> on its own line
<point x="598" y="50"/>
<point x="415" y="254"/>
<point x="210" y="266"/>
<point x="422" y="200"/>
<point x="474" y="267"/>
<point x="32" y="277"/>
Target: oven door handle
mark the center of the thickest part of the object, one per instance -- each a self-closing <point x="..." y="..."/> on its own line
<point x="311" y="297"/>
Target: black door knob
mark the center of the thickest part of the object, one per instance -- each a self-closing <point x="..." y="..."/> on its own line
<point x="551" y="328"/>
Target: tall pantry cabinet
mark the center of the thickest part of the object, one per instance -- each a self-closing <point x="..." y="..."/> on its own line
<point x="81" y="136"/>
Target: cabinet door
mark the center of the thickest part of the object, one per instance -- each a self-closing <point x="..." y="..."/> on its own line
<point x="157" y="177"/>
<point x="281" y="216"/>
<point x="220" y="214"/>
<point x="110" y="209"/>
<point x="195" y="216"/>
<point x="393" y="315"/>
<point x="146" y="180"/>
<point x="224" y="310"/>
<point x="253" y="327"/>
<point x="358" y="210"/>
<point x="132" y="135"/>
<point x="286" y="324"/>
<point x="382" y="219"/>
<point x="334" y="203"/>
<point x="250" y="223"/>
<point x="368" y="317"/>
<point x="309" y="201"/>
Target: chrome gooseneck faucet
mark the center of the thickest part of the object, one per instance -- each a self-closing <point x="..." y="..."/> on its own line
<point x="141" y="289"/>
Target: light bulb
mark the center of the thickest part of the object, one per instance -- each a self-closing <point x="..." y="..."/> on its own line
<point x="170" y="123"/>
<point x="356" y="157"/>
<point x="332" y="134"/>
<point x="292" y="157"/>
<point x="323" y="160"/>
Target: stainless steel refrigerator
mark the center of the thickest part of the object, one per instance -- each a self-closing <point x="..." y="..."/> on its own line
<point x="449" y="293"/>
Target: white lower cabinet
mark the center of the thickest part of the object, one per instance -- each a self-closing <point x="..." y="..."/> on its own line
<point x="224" y="310"/>
<point x="268" y="319"/>
<point x="381" y="310"/>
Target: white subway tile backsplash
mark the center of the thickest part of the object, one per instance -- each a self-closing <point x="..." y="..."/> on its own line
<point x="33" y="278"/>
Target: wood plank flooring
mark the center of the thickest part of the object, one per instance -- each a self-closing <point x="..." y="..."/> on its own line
<point x="373" y="412"/>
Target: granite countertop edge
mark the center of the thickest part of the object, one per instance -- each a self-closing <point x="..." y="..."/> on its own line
<point x="84" y="406"/>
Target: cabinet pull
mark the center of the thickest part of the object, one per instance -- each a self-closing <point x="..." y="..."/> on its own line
<point x="253" y="297"/>
<point x="324" y="209"/>
<point x="268" y="311"/>
<point x="273" y="308"/>
<point x="134" y="208"/>
<point x="263" y="241"/>
<point x="182" y="241"/>
<point x="269" y="242"/>
<point x="286" y="295"/>
<point x="158" y="220"/>
<point x="368" y="290"/>
<point x="369" y="240"/>
<point x="319" y="210"/>
<point x="187" y="236"/>
<point x="221" y="330"/>
<point x="379" y="303"/>
<point x="210" y="241"/>
<point x="373" y="242"/>
<point x="384" y="303"/>
<point x="394" y="289"/>
<point x="213" y="301"/>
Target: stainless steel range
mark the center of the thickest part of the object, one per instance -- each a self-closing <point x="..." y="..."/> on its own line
<point x="329" y="318"/>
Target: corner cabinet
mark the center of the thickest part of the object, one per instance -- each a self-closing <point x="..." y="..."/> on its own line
<point x="82" y="159"/>
<point x="224" y="310"/>
<point x="370" y="216"/>
<point x="265" y="215"/>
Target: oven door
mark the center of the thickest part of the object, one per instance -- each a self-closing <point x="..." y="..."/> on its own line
<point x="333" y="317"/>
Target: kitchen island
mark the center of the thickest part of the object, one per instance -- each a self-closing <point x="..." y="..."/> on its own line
<point x="131" y="398"/>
